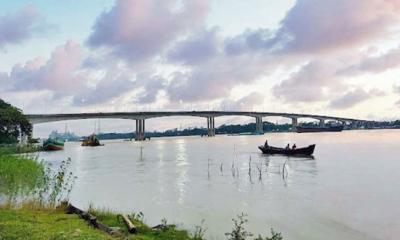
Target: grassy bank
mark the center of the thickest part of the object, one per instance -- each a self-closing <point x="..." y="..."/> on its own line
<point x="20" y="148"/>
<point x="48" y="223"/>
<point x="38" y="224"/>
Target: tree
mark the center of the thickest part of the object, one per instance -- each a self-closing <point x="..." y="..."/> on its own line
<point x="13" y="123"/>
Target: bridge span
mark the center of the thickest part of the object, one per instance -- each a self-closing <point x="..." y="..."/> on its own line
<point x="140" y="118"/>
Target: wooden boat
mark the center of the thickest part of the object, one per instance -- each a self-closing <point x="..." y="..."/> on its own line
<point x="306" y="151"/>
<point x="91" y="141"/>
<point x="304" y="129"/>
<point x="53" y="145"/>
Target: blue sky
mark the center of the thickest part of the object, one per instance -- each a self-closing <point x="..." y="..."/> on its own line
<point x="335" y="57"/>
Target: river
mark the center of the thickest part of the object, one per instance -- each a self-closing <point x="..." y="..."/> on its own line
<point x="350" y="190"/>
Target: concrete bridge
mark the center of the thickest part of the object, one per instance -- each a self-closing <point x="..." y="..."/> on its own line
<point x="140" y="118"/>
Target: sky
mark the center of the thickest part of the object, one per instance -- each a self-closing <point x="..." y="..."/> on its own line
<point x="331" y="57"/>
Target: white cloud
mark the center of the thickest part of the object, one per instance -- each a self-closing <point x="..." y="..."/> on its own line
<point x="18" y="27"/>
<point x="137" y="30"/>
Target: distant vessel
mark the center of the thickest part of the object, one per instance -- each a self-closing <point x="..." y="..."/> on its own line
<point x="91" y="141"/>
<point x="245" y="133"/>
<point x="53" y="145"/>
<point x="304" y="129"/>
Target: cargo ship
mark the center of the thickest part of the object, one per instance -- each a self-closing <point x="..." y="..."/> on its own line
<point x="305" y="129"/>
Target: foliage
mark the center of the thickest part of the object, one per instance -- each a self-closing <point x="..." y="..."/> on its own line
<point x="58" y="185"/>
<point x="23" y="176"/>
<point x="238" y="231"/>
<point x="12" y="123"/>
<point x="20" y="175"/>
<point x="275" y="236"/>
<point x="199" y="232"/>
<point x="19" y="148"/>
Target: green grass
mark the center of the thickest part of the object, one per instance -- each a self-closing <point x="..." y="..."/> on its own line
<point x="44" y="224"/>
<point x="19" y="174"/>
<point x="19" y="148"/>
<point x="144" y="232"/>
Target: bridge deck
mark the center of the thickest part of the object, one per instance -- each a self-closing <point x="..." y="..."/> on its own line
<point x="41" y="118"/>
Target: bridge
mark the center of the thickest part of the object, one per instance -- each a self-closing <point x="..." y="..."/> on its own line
<point x="140" y="118"/>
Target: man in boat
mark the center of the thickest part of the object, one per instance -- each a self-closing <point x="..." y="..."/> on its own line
<point x="294" y="146"/>
<point x="288" y="146"/>
<point x="266" y="144"/>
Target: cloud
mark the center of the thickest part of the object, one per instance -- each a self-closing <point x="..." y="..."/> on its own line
<point x="388" y="60"/>
<point x="150" y="88"/>
<point x="313" y="26"/>
<point x="137" y="30"/>
<point x="18" y="27"/>
<point x="113" y="84"/>
<point x="250" y="40"/>
<point x="215" y="78"/>
<point x="199" y="47"/>
<point x="313" y="82"/>
<point x="354" y="97"/>
<point x="59" y="74"/>
<point x="245" y="103"/>
<point x="396" y="90"/>
<point x="143" y="50"/>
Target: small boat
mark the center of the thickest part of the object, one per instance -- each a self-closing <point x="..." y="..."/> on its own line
<point x="306" y="151"/>
<point x="53" y="145"/>
<point x="304" y="129"/>
<point x="91" y="141"/>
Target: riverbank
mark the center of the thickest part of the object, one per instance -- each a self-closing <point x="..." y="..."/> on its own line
<point x="53" y="223"/>
<point x="44" y="224"/>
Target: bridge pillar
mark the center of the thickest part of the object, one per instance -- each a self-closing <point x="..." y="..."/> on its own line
<point x="211" y="126"/>
<point x="365" y="124"/>
<point x="259" y="125"/>
<point x="355" y="124"/>
<point x="321" y="123"/>
<point x="140" y="130"/>
<point x="294" y="124"/>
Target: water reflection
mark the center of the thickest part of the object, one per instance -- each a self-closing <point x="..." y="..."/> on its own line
<point x="181" y="169"/>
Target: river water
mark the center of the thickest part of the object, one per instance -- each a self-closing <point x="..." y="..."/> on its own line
<point x="350" y="190"/>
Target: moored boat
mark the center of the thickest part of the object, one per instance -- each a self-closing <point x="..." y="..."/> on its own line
<point x="53" y="145"/>
<point x="306" y="151"/>
<point x="304" y="129"/>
